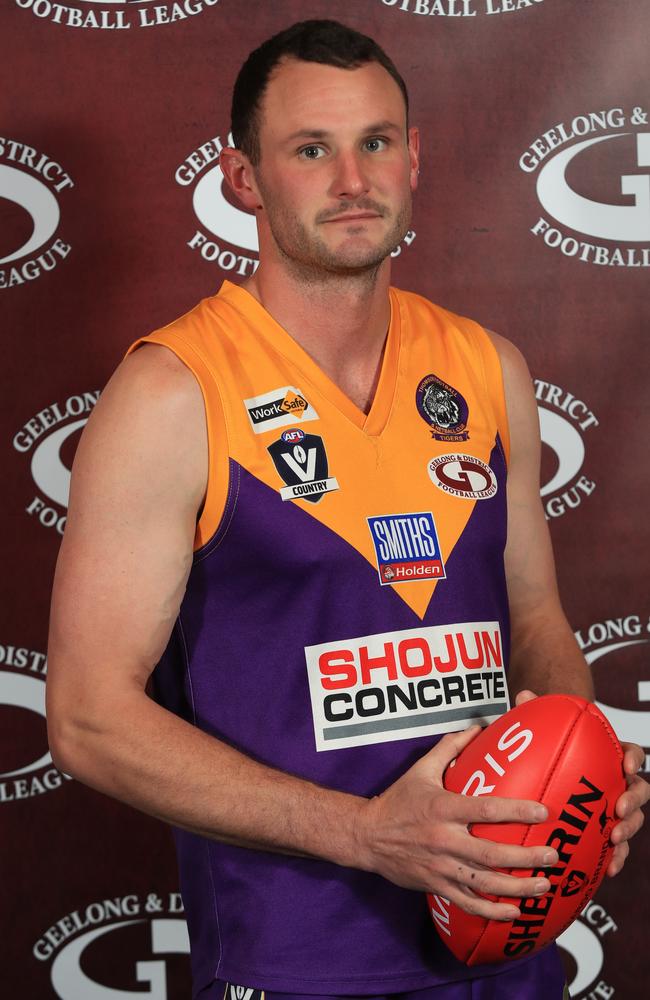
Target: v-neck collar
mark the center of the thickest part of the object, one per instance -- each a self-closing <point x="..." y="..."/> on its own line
<point x="371" y="423"/>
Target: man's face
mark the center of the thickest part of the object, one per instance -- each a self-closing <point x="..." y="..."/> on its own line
<point x="337" y="167"/>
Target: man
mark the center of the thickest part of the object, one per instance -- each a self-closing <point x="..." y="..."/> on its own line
<point x="302" y="437"/>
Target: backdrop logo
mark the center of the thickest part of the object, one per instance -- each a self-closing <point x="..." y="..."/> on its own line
<point x="31" y="181"/>
<point x="563" y="421"/>
<point x="614" y="636"/>
<point x="115" y="15"/>
<point x="460" y="8"/>
<point x="22" y="686"/>
<point x="227" y="235"/>
<point x="47" y="435"/>
<point x="586" y="941"/>
<point x="593" y="178"/>
<point x="126" y="932"/>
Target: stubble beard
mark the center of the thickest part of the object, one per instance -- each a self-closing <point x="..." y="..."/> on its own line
<point x="309" y="257"/>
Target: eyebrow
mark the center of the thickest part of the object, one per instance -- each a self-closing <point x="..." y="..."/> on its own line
<point x="319" y="133"/>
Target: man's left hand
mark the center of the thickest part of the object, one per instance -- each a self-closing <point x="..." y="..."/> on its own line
<point x="629" y="806"/>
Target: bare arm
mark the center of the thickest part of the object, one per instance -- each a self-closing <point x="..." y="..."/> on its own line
<point x="138" y="481"/>
<point x="545" y="655"/>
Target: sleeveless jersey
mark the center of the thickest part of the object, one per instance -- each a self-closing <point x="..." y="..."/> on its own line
<point x="347" y="605"/>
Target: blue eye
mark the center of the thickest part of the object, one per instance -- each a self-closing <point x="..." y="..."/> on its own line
<point x="375" y="144"/>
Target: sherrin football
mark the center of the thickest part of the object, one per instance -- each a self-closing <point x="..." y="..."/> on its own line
<point x="559" y="750"/>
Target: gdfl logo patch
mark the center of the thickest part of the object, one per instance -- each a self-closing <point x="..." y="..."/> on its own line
<point x="303" y="467"/>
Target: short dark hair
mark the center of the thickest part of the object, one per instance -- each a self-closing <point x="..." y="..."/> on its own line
<point x="328" y="42"/>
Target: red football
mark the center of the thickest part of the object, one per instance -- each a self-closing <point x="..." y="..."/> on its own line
<point x="562" y="751"/>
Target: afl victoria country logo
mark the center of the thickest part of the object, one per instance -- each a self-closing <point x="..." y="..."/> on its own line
<point x="111" y="949"/>
<point x="51" y="437"/>
<point x="31" y="185"/>
<point x="593" y="184"/>
<point x="563" y="422"/>
<point x="115" y="15"/>
<point x="22" y="690"/>
<point x="460" y="8"/>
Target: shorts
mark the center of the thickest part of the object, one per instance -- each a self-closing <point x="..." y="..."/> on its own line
<point x="521" y="981"/>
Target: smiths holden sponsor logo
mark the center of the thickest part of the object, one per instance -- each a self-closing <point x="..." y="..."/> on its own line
<point x="585" y="944"/>
<point x="303" y="465"/>
<point x="563" y="422"/>
<point x="463" y="476"/>
<point x="278" y="408"/>
<point x="32" y="183"/>
<point x="443" y="408"/>
<point x="22" y="687"/>
<point x="399" y="685"/>
<point x="610" y="648"/>
<point x="131" y="939"/>
<point x="49" y="435"/>
<point x="407" y="548"/>
<point x="593" y="179"/>
<point x="460" y="8"/>
<point x="227" y="236"/>
<point x="115" y="15"/>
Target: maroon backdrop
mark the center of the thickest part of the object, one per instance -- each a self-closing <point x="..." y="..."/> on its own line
<point x="533" y="216"/>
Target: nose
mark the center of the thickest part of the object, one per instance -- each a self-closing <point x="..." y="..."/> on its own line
<point x="350" y="179"/>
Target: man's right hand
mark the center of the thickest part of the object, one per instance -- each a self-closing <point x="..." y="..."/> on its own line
<point x="416" y="834"/>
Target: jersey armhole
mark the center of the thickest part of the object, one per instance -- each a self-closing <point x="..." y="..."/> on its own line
<point x="492" y="377"/>
<point x="218" y="463"/>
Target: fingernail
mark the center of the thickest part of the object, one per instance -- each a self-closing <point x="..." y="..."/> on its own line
<point x="542" y="886"/>
<point x="549" y="858"/>
<point x="511" y="914"/>
<point x="540" y="813"/>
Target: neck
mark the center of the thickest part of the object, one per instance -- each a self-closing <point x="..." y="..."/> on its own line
<point x="340" y="320"/>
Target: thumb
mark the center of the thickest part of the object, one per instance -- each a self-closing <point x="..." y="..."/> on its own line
<point x="524" y="696"/>
<point x="449" y="747"/>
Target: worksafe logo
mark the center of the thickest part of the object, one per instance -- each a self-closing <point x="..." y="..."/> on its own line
<point x="26" y="765"/>
<point x="51" y="437"/>
<point x="585" y="945"/>
<point x="618" y="651"/>
<point x="593" y="185"/>
<point x="400" y="685"/>
<point x="31" y="184"/>
<point x="114" y="947"/>
<point x="460" y="8"/>
<point x="227" y="234"/>
<point x="115" y="15"/>
<point x="563" y="422"/>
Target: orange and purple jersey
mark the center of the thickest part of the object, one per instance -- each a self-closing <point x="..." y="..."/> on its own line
<point x="346" y="606"/>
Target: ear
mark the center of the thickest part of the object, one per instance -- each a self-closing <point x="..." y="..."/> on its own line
<point x="240" y="177"/>
<point x="414" y="156"/>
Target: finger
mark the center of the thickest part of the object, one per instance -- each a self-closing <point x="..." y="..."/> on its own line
<point x="628" y="827"/>
<point x="495" y="809"/>
<point x="633" y="757"/>
<point x="524" y="696"/>
<point x="448" y="748"/>
<point x="618" y="859"/>
<point x="491" y="883"/>
<point x="475" y="905"/>
<point x="636" y="796"/>
<point x="478" y="852"/>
